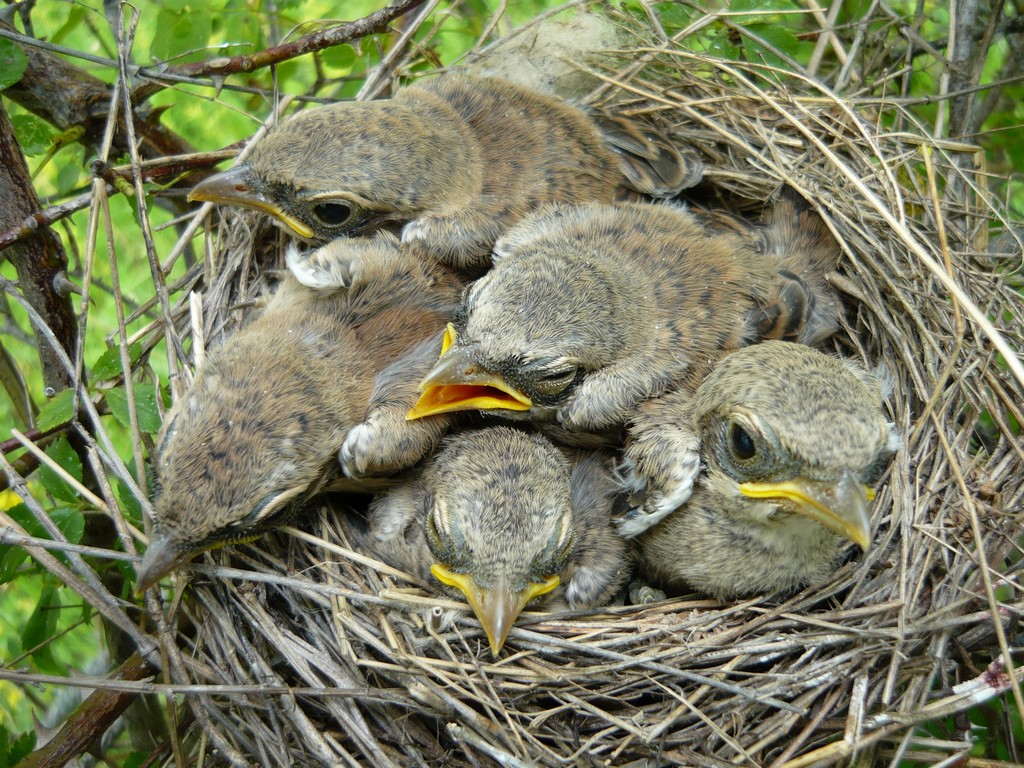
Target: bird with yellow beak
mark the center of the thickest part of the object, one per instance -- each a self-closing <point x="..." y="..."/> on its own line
<point x="261" y="426"/>
<point x="749" y="483"/>
<point x="592" y="309"/>
<point x="450" y="162"/>
<point x="505" y="520"/>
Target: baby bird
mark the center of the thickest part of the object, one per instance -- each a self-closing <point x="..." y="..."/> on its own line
<point x="590" y="310"/>
<point x="270" y="407"/>
<point x="790" y="440"/>
<point x="500" y="517"/>
<point x="452" y="162"/>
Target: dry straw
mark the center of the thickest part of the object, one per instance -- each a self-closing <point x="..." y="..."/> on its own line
<point x="299" y="651"/>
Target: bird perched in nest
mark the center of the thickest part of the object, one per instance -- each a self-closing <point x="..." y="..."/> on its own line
<point x="269" y="408"/>
<point x="789" y="439"/>
<point x="501" y="517"/>
<point x="452" y="162"/>
<point x="589" y="310"/>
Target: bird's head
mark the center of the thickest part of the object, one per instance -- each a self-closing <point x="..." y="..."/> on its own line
<point x="498" y="521"/>
<point x="794" y="437"/>
<point x="528" y="333"/>
<point x="235" y="454"/>
<point x="343" y="170"/>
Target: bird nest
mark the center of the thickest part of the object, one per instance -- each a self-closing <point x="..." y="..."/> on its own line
<point x="297" y="649"/>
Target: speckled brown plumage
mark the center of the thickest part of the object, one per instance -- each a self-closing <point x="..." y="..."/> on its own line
<point x="589" y="310"/>
<point x="451" y="161"/>
<point x="270" y="407"/>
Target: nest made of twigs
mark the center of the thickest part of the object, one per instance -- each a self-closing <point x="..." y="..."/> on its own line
<point x="313" y="654"/>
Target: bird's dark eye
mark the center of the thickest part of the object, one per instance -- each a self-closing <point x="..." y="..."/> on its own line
<point x="333" y="214"/>
<point x="555" y="382"/>
<point x="741" y="443"/>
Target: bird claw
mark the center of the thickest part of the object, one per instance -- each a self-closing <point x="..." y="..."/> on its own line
<point x="386" y="443"/>
<point x="642" y="593"/>
<point x="642" y="518"/>
<point x="354" y="455"/>
<point x="668" y="495"/>
<point x="319" y="271"/>
<point x="584" y="414"/>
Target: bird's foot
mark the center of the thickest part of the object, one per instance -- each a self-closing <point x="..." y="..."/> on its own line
<point x="357" y="450"/>
<point x="642" y="593"/>
<point x="386" y="443"/>
<point x="460" y="244"/>
<point x="588" y="584"/>
<point x="643" y="518"/>
<point x="656" y="499"/>
<point x="322" y="269"/>
<point x="586" y="414"/>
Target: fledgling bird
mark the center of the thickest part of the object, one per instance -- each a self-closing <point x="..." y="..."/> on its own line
<point x="502" y="518"/>
<point x="790" y="441"/>
<point x="589" y="310"/>
<point x="452" y="162"/>
<point x="263" y="421"/>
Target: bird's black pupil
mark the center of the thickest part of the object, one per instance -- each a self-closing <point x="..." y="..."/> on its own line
<point x="333" y="213"/>
<point x="742" y="443"/>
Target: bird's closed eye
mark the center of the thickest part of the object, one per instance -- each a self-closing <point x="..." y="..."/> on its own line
<point x="554" y="382"/>
<point x="334" y="213"/>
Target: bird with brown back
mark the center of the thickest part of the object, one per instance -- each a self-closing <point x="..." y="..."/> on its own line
<point x="451" y="162"/>
<point x="504" y="519"/>
<point x="785" y="443"/>
<point x="267" y="412"/>
<point x="590" y="310"/>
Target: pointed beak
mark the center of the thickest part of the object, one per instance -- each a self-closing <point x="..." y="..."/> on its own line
<point x="163" y="555"/>
<point x="233" y="187"/>
<point x="496" y="608"/>
<point x="459" y="383"/>
<point x="840" y="505"/>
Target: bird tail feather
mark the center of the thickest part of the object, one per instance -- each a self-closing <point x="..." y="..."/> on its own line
<point x="801" y="305"/>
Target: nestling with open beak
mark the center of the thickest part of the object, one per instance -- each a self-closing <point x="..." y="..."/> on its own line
<point x="262" y="424"/>
<point x="452" y="162"/>
<point x="589" y="310"/>
<point x="501" y="517"/>
<point x="790" y="441"/>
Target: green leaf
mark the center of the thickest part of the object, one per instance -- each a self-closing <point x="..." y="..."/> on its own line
<point x="135" y="759"/>
<point x="40" y="627"/>
<point x="145" y="403"/>
<point x="11" y="557"/>
<point x="131" y="504"/>
<point x="69" y="521"/>
<point x="69" y="175"/>
<point x="12" y="63"/>
<point x="340" y="58"/>
<point x="34" y="135"/>
<point x="673" y="16"/>
<point x="778" y="37"/>
<point x="747" y="6"/>
<point x="76" y="15"/>
<point x="23" y="410"/>
<point x="109" y="364"/>
<point x="181" y="31"/>
<point x="19" y="749"/>
<point x="58" y="410"/>
<point x="62" y="453"/>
